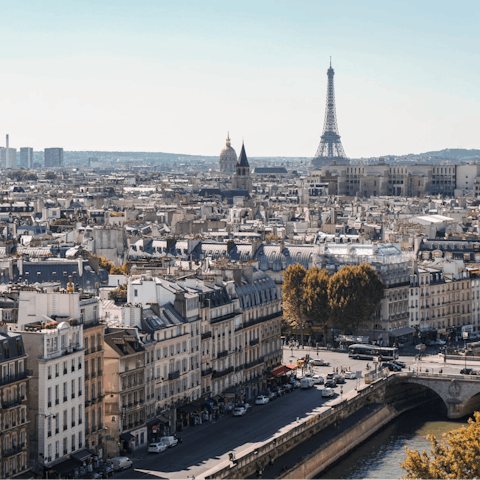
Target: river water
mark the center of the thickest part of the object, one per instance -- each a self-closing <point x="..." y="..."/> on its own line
<point x="381" y="455"/>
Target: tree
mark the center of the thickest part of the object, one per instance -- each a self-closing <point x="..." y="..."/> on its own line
<point x="354" y="294"/>
<point x="50" y="175"/>
<point x="293" y="297"/>
<point x="455" y="455"/>
<point x="316" y="303"/>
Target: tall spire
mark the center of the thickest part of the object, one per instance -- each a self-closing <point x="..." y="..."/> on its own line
<point x="330" y="148"/>
<point x="228" y="140"/>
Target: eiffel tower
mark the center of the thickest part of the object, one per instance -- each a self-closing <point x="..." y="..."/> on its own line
<point x="330" y="149"/>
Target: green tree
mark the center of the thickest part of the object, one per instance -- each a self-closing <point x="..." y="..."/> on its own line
<point x="50" y="175"/>
<point x="316" y="304"/>
<point x="455" y="455"/>
<point x="293" y="297"/>
<point x="354" y="295"/>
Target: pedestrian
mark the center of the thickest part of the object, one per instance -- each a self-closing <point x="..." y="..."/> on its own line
<point x="271" y="462"/>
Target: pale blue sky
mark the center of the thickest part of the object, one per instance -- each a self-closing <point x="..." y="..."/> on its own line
<point x="176" y="76"/>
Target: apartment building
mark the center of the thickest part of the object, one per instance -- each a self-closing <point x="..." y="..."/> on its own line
<point x="124" y="361"/>
<point x="440" y="303"/>
<point x="14" y="423"/>
<point x="55" y="395"/>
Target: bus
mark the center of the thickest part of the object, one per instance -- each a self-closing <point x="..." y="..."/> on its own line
<point x="369" y="352"/>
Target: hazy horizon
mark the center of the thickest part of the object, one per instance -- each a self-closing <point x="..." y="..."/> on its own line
<point x="176" y="76"/>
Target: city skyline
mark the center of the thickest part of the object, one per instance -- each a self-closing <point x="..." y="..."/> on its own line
<point x="176" y="78"/>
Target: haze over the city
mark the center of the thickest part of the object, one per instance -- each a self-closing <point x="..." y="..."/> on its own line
<point x="176" y="76"/>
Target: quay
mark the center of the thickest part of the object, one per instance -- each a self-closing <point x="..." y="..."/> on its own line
<point x="305" y="448"/>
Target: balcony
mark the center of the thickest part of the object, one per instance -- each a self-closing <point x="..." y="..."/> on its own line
<point x="222" y="373"/>
<point x="94" y="374"/>
<point x="12" y="451"/>
<point x="224" y="317"/>
<point x="65" y="398"/>
<point x="87" y="376"/>
<point x="206" y="372"/>
<point x="174" y="375"/>
<point x="7" y="379"/>
<point x="206" y="335"/>
<point x="254" y="342"/>
<point x="254" y="363"/>
<point x="222" y="354"/>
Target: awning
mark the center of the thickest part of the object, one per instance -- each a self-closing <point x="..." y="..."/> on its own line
<point x="67" y="466"/>
<point x="186" y="408"/>
<point x="152" y="423"/>
<point x="279" y="370"/>
<point x="162" y="419"/>
<point x="127" y="437"/>
<point x="82" y="455"/>
<point x="402" y="331"/>
<point x="291" y="367"/>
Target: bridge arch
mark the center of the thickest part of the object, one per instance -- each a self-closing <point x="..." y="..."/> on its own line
<point x="460" y="395"/>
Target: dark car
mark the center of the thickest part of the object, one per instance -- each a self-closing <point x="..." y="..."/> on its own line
<point x="468" y="371"/>
<point x="288" y="387"/>
<point x="391" y="366"/>
<point x="339" y="379"/>
<point x="330" y="382"/>
<point x="398" y="363"/>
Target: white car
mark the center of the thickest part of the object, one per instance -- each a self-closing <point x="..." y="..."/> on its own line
<point x="328" y="392"/>
<point x="261" y="400"/>
<point x="318" y="362"/>
<point x="239" y="411"/>
<point x="350" y="375"/>
<point x="317" y="380"/>
<point x="157" y="447"/>
<point x="439" y="341"/>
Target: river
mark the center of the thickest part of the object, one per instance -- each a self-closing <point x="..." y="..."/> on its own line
<point x="381" y="455"/>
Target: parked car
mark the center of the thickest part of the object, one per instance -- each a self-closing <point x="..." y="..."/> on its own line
<point x="169" y="440"/>
<point x="296" y="384"/>
<point x="469" y="371"/>
<point x="288" y="387"/>
<point x="318" y="362"/>
<point x="400" y="365"/>
<point x="327" y="392"/>
<point x="339" y="379"/>
<point x="239" y="411"/>
<point x="318" y="380"/>
<point x="245" y="405"/>
<point x="261" y="400"/>
<point x="350" y="375"/>
<point x="272" y="395"/>
<point x="106" y="471"/>
<point x="280" y="391"/>
<point x="121" y="463"/>
<point x="157" y="447"/>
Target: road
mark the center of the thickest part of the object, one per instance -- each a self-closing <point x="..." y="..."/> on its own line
<point x="205" y="446"/>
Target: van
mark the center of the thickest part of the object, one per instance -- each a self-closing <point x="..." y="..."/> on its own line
<point x="306" y="382"/>
<point x="121" y="463"/>
<point x="169" y="440"/>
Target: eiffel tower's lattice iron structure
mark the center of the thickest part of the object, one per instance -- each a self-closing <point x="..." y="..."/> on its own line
<point x="330" y="149"/>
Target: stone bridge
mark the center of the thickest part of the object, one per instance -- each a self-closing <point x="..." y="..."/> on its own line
<point x="459" y="393"/>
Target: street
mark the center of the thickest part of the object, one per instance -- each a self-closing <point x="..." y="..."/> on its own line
<point x="204" y="446"/>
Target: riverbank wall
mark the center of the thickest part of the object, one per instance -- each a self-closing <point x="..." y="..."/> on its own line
<point x="332" y="451"/>
<point x="259" y="455"/>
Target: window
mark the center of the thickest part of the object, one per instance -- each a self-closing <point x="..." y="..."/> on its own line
<point x="135" y="293"/>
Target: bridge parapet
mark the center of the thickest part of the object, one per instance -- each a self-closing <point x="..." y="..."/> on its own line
<point x="460" y="393"/>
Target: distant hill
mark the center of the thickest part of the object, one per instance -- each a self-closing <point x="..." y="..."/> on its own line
<point x="452" y="153"/>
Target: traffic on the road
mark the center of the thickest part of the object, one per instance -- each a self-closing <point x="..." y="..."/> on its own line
<point x="328" y="377"/>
